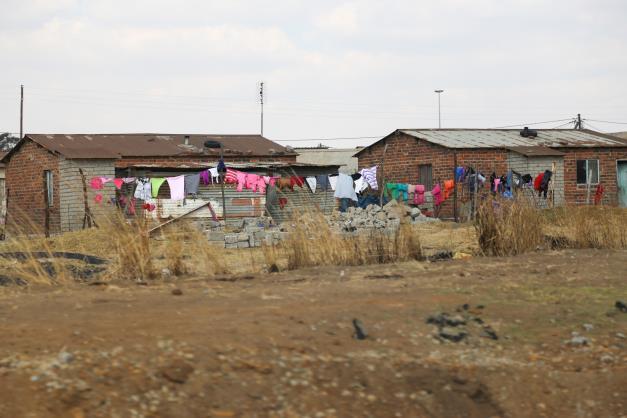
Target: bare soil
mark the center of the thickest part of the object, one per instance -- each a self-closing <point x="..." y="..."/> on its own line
<point x="282" y="345"/>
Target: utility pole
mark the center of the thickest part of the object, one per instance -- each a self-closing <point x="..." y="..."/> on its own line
<point x="261" y="100"/>
<point x="21" y="111"/>
<point x="439" y="92"/>
<point x="578" y="124"/>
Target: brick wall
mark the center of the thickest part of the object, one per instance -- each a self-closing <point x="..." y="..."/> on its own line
<point x="405" y="153"/>
<point x="72" y="206"/>
<point x="575" y="193"/>
<point x="25" y="185"/>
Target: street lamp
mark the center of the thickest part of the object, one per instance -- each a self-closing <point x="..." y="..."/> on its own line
<point x="221" y="171"/>
<point x="439" y="92"/>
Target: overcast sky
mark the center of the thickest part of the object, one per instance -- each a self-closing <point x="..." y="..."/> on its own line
<point x="331" y="68"/>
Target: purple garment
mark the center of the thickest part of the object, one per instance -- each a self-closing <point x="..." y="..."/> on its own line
<point x="204" y="177"/>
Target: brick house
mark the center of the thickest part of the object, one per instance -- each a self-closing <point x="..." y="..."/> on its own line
<point x="429" y="156"/>
<point x="45" y="189"/>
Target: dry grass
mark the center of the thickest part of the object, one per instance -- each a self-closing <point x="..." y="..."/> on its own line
<point x="508" y="227"/>
<point x="600" y="227"/>
<point x="312" y="243"/>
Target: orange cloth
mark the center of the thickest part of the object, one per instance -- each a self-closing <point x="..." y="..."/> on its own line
<point x="449" y="185"/>
<point x="284" y="184"/>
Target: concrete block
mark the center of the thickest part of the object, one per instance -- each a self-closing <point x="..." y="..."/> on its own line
<point x="242" y="236"/>
<point x="215" y="236"/>
<point x="243" y="244"/>
<point x="230" y="245"/>
<point x="231" y="239"/>
<point x="259" y="235"/>
<point x="219" y="244"/>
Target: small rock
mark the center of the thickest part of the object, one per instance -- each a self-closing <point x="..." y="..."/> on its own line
<point x="621" y="306"/>
<point x="607" y="358"/>
<point x="177" y="371"/>
<point x="65" y="357"/>
<point x="177" y="292"/>
<point x="452" y="334"/>
<point x="488" y="332"/>
<point x="360" y="331"/>
<point x="620" y="335"/>
<point x="166" y="273"/>
<point x="588" y="327"/>
<point x="578" y="341"/>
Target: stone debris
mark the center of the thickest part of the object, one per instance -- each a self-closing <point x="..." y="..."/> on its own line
<point x="387" y="218"/>
<point x="462" y="325"/>
<point x="621" y="306"/>
<point x="360" y="331"/>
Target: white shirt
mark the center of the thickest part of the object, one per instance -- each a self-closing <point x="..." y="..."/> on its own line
<point x="344" y="189"/>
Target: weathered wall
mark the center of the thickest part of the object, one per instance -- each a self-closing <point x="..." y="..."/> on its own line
<point x="340" y="156"/>
<point x="25" y="186"/>
<point x="576" y="193"/>
<point x="534" y="166"/>
<point x="72" y="205"/>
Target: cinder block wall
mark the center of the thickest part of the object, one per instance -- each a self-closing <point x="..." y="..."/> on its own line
<point x="25" y="186"/>
<point x="72" y="206"/>
<point x="536" y="165"/>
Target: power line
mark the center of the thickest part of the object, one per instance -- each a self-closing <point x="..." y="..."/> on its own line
<point x="329" y="139"/>
<point x="533" y="123"/>
<point x="607" y="121"/>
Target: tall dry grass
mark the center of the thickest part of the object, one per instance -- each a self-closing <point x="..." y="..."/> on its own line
<point x="508" y="227"/>
<point x="312" y="242"/>
<point x="601" y="227"/>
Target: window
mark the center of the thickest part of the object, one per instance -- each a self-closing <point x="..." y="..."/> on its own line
<point x="586" y="168"/>
<point x="49" y="184"/>
<point x="425" y="176"/>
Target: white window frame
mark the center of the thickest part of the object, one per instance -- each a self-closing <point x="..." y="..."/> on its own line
<point x="587" y="160"/>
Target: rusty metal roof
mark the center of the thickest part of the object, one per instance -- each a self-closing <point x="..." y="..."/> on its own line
<point x="502" y="138"/>
<point x="113" y="146"/>
<point x="536" y="151"/>
<point x="508" y="138"/>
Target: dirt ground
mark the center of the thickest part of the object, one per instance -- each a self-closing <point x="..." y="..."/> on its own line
<point x="283" y="345"/>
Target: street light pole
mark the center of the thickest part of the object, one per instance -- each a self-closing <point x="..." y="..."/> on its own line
<point x="439" y="92"/>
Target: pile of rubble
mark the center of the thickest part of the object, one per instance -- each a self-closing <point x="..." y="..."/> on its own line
<point x="388" y="217"/>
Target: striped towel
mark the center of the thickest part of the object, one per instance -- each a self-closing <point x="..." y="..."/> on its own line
<point x="370" y="176"/>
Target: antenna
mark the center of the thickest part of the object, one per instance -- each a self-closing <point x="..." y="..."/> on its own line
<point x="261" y="101"/>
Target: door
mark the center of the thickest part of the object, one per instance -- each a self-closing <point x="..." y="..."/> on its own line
<point x="622" y="183"/>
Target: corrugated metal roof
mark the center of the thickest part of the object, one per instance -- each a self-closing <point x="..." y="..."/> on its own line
<point x="503" y="138"/>
<point x="536" y="151"/>
<point x="106" y="146"/>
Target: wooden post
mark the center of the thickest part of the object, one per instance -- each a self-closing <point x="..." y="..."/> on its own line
<point x="382" y="185"/>
<point x="88" y="219"/>
<point x="552" y="185"/>
<point x="46" y="207"/>
<point x="455" y="185"/>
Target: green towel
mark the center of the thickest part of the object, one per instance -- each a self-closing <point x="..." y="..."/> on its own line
<point x="155" y="183"/>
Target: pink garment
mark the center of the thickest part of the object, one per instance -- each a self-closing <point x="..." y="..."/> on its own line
<point x="261" y="185"/>
<point x="273" y="180"/>
<point x="251" y="181"/>
<point x="118" y="183"/>
<point x="437" y="195"/>
<point x="419" y="195"/>
<point x="96" y="183"/>
<point x="106" y="179"/>
<point x="241" y="180"/>
<point x="177" y="187"/>
<point x="98" y="198"/>
<point x="204" y="177"/>
<point x="231" y="176"/>
<point x="129" y="179"/>
<point x="266" y="179"/>
<point x="496" y="184"/>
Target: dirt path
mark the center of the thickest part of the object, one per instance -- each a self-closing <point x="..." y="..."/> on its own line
<point x="282" y="345"/>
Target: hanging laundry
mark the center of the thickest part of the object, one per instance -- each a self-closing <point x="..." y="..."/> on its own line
<point x="297" y="181"/>
<point x="106" y="180"/>
<point x="459" y="173"/>
<point x="344" y="188"/>
<point x="130" y="209"/>
<point x="129" y="180"/>
<point x="221" y="166"/>
<point x="437" y="195"/>
<point x="149" y="207"/>
<point x="311" y="182"/>
<point x="204" y="176"/>
<point x="481" y="178"/>
<point x="96" y="183"/>
<point x="496" y="183"/>
<point x="143" y="189"/>
<point x="598" y="194"/>
<point x="192" y="182"/>
<point x="397" y="190"/>
<point x="537" y="182"/>
<point x="282" y="202"/>
<point x="215" y="175"/>
<point x="273" y="180"/>
<point x="323" y="182"/>
<point x="231" y="176"/>
<point x="177" y="187"/>
<point x="284" y="183"/>
<point x="98" y="198"/>
<point x="411" y="189"/>
<point x="333" y="182"/>
<point x="419" y="196"/>
<point x="546" y="179"/>
<point x="370" y="176"/>
<point x="449" y="186"/>
<point x="360" y="185"/>
<point x="155" y="184"/>
<point x="527" y="179"/>
<point x="118" y="183"/>
<point x="402" y="188"/>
